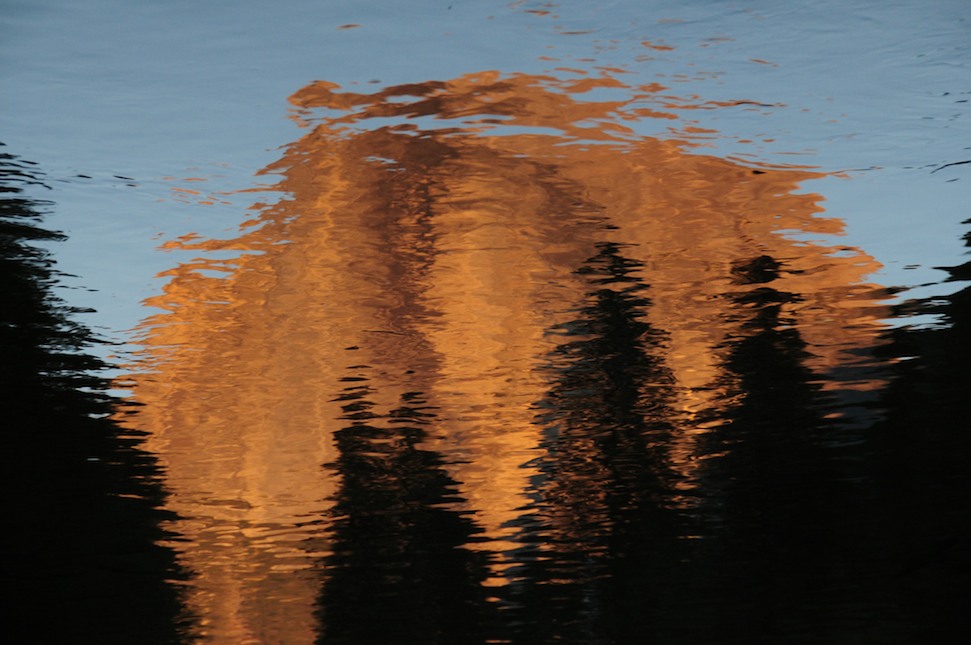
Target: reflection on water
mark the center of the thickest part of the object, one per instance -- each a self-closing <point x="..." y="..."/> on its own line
<point x="398" y="572"/>
<point x="494" y="366"/>
<point x="81" y="504"/>
<point x="922" y="489"/>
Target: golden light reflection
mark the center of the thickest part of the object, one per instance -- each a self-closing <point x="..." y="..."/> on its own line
<point x="433" y="234"/>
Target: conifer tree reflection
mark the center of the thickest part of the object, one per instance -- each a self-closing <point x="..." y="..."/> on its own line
<point x="783" y="514"/>
<point x="919" y="508"/>
<point x="399" y="571"/>
<point x="82" y="509"/>
<point x="604" y="526"/>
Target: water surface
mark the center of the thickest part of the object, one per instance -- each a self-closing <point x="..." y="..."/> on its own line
<point x="572" y="325"/>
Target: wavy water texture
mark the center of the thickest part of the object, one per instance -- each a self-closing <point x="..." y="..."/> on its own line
<point x="483" y="322"/>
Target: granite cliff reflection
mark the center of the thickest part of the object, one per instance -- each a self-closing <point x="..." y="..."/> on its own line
<point x="565" y="298"/>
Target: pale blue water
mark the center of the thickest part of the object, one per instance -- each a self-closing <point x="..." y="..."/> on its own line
<point x="161" y="92"/>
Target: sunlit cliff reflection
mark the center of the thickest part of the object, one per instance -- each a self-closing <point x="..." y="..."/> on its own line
<point x="487" y="311"/>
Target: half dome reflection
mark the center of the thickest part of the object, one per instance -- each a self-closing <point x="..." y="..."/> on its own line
<point x="463" y="243"/>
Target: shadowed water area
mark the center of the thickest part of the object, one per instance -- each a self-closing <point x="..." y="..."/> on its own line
<point x="82" y="498"/>
<point x="498" y="357"/>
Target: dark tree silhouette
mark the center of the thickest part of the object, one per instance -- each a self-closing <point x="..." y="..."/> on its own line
<point x="784" y="547"/>
<point x="81" y="563"/>
<point x="922" y="494"/>
<point x="400" y="570"/>
<point x="601" y="540"/>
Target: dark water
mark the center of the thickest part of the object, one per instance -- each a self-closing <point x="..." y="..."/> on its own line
<point x="497" y="357"/>
<point x="82" y="499"/>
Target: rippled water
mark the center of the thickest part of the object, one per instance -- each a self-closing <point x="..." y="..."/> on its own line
<point x="635" y="323"/>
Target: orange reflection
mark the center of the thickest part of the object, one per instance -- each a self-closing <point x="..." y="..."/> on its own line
<point x="433" y="233"/>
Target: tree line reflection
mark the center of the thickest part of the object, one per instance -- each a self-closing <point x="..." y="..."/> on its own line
<point x="83" y="515"/>
<point x="398" y="570"/>
<point x="496" y="368"/>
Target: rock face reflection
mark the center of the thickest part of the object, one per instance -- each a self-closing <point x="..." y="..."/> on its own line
<point x="493" y="365"/>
